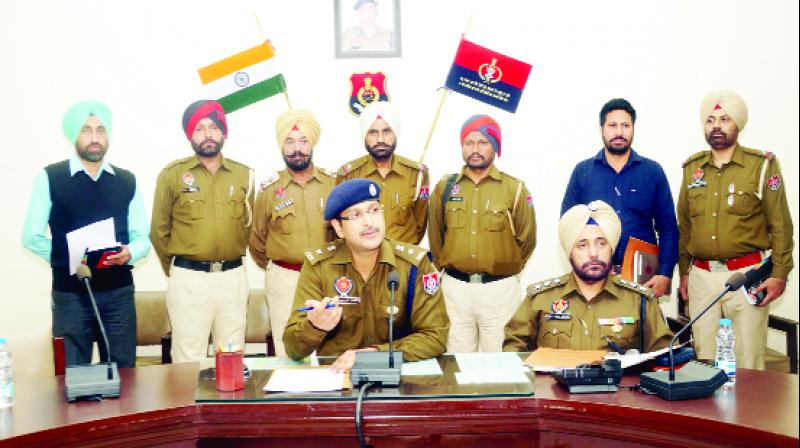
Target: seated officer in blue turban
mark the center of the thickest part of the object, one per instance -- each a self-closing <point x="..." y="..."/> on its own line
<point x="342" y="299"/>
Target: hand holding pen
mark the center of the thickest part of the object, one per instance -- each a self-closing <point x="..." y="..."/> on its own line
<point x="324" y="315"/>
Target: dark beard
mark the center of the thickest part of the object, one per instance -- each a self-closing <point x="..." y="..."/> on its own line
<point x="380" y="154"/>
<point x="299" y="163"/>
<point x="483" y="164"/>
<point x="721" y="142"/>
<point x="589" y="277"/>
<point x="618" y="151"/>
<point x="84" y="154"/>
<point x="202" y="149"/>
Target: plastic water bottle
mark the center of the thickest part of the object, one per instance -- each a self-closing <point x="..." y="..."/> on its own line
<point x="6" y="376"/>
<point x="726" y="359"/>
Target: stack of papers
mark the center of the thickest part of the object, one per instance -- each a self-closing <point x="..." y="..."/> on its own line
<point x="553" y="359"/>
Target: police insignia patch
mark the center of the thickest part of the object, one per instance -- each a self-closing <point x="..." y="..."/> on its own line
<point x="280" y="192"/>
<point x="455" y="190"/>
<point x="424" y="192"/>
<point x="367" y="88"/>
<point x="530" y="201"/>
<point x="560" y="306"/>
<point x="774" y="183"/>
<point x="430" y="282"/>
<point x="343" y="285"/>
<point x="345" y="170"/>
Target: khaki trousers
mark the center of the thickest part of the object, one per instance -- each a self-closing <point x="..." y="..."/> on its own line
<point x="749" y="321"/>
<point x="199" y="303"/>
<point x="479" y="312"/>
<point x="281" y="284"/>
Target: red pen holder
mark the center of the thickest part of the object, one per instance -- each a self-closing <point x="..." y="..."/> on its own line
<point x="230" y="371"/>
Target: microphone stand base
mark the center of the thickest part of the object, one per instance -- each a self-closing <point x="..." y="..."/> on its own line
<point x="373" y="367"/>
<point x="91" y="381"/>
<point x="694" y="380"/>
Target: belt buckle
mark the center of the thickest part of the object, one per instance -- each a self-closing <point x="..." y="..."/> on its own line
<point x="717" y="266"/>
<point x="476" y="278"/>
<point x="215" y="266"/>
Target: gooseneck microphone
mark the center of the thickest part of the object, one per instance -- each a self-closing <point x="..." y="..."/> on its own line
<point x="392" y="282"/>
<point x="85" y="275"/>
<point x="735" y="281"/>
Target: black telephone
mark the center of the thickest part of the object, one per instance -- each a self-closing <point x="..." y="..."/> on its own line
<point x="586" y="378"/>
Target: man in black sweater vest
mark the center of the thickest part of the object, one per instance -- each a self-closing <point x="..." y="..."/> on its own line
<point x="75" y="193"/>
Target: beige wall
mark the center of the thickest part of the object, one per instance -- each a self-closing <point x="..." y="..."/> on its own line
<point x="140" y="58"/>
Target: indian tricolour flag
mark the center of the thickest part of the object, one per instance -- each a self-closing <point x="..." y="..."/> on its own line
<point x="244" y="78"/>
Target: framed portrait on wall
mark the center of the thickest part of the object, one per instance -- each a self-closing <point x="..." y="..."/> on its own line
<point x="367" y="28"/>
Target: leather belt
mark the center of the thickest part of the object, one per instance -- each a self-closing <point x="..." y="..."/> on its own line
<point x="207" y="266"/>
<point x="474" y="277"/>
<point x="285" y="265"/>
<point x="730" y="264"/>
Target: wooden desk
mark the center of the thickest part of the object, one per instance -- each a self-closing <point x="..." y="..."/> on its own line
<point x="157" y="408"/>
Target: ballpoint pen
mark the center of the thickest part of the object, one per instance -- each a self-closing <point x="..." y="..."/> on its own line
<point x="309" y="308"/>
<point x="614" y="346"/>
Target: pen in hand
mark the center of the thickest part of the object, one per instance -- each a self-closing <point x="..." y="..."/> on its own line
<point x="614" y="346"/>
<point x="309" y="308"/>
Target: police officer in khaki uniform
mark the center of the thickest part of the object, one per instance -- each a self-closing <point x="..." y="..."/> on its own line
<point x="482" y="232"/>
<point x="367" y="35"/>
<point x="404" y="183"/>
<point x="288" y="216"/>
<point x="588" y="309"/>
<point x="202" y="212"/>
<point x="343" y="284"/>
<point x="732" y="209"/>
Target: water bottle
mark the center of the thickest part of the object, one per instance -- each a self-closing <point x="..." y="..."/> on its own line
<point x="726" y="359"/>
<point x="6" y="376"/>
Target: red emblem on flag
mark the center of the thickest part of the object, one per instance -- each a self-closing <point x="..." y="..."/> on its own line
<point x="430" y="282"/>
<point x="367" y="88"/>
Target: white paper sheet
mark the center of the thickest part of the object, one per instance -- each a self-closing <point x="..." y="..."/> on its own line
<point x="483" y="368"/>
<point x="632" y="358"/>
<point x="314" y="379"/>
<point x="273" y="362"/>
<point x="98" y="234"/>
<point x="426" y="367"/>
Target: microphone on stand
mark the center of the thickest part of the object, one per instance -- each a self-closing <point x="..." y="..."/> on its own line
<point x="695" y="379"/>
<point x="92" y="381"/>
<point x="374" y="367"/>
<point x="392" y="282"/>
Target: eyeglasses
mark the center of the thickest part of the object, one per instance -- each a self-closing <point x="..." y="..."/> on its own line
<point x="355" y="215"/>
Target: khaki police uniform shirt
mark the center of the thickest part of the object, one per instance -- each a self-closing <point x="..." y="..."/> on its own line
<point x="555" y="315"/>
<point x="404" y="194"/>
<point x="365" y="324"/>
<point x="201" y="216"/>
<point x="485" y="230"/>
<point x="722" y="213"/>
<point x="356" y="39"/>
<point x="288" y="217"/>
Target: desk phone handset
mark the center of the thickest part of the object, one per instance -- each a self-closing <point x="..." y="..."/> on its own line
<point x="591" y="378"/>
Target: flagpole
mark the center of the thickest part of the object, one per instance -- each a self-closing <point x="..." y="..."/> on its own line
<point x="264" y="38"/>
<point x="441" y="103"/>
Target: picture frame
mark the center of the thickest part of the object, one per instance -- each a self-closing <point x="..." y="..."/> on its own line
<point x="367" y="28"/>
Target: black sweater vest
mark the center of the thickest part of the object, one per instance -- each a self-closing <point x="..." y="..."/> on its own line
<point x="79" y="201"/>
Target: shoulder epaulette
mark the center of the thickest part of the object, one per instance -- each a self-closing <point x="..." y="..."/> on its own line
<point x="412" y="164"/>
<point x="409" y="252"/>
<point x="327" y="172"/>
<point x="348" y="168"/>
<point x="314" y="256"/>
<point x="633" y="286"/>
<point x="546" y="285"/>
<point x="269" y="181"/>
<point x="239" y="164"/>
<point x="512" y="177"/>
<point x="178" y="162"/>
<point x="694" y="157"/>
<point x="758" y="153"/>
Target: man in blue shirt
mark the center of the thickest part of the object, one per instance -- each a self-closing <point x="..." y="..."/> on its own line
<point x="635" y="186"/>
<point x="74" y="193"/>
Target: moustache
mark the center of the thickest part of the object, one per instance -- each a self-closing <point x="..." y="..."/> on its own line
<point x="297" y="155"/>
<point x="599" y="264"/>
